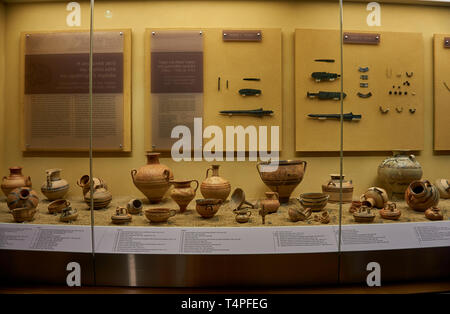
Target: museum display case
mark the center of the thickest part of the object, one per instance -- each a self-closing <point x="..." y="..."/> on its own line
<point x="224" y="143"/>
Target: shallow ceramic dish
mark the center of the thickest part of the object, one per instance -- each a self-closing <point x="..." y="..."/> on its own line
<point x="159" y="214"/>
<point x="57" y="206"/>
<point x="315" y="201"/>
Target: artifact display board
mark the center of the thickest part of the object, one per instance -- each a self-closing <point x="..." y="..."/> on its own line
<point x="55" y="91"/>
<point x="441" y="91"/>
<point x="241" y="71"/>
<point x="383" y="82"/>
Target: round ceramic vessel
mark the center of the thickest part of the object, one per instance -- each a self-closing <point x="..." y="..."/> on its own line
<point x="102" y="197"/>
<point x="208" y="207"/>
<point x="153" y="178"/>
<point x="364" y="215"/>
<point x="183" y="193"/>
<point x="421" y="195"/>
<point x="159" y="214"/>
<point x="68" y="215"/>
<point x="22" y="214"/>
<point x="443" y="187"/>
<point x="332" y="188"/>
<point x="85" y="185"/>
<point x="375" y="197"/>
<point x="55" y="187"/>
<point x="22" y="197"/>
<point x="315" y="201"/>
<point x="282" y="178"/>
<point x="243" y="217"/>
<point x="135" y="206"/>
<point x="14" y="180"/>
<point x="398" y="171"/>
<point x="390" y="211"/>
<point x="57" y="206"/>
<point x="271" y="203"/>
<point x="215" y="187"/>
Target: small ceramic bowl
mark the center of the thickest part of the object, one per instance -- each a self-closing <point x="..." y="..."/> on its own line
<point x="315" y="201"/>
<point x="22" y="214"/>
<point x="57" y="206"/>
<point x="159" y="214"/>
<point x="208" y="207"/>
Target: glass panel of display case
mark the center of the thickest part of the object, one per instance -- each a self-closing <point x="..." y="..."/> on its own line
<point x="397" y="211"/>
<point x="45" y="223"/>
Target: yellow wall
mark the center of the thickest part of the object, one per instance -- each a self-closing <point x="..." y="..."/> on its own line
<point x="208" y="14"/>
<point x="2" y="81"/>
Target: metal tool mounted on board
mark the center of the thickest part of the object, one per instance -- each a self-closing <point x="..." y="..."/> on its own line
<point x="254" y="112"/>
<point x="346" y="116"/>
<point x="324" y="76"/>
<point x="249" y="92"/>
<point x="326" y="95"/>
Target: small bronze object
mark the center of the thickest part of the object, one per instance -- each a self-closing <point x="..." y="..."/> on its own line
<point x="384" y="111"/>
<point x="412" y="110"/>
<point x="365" y="69"/>
<point x="399" y="109"/>
<point x="263" y="212"/>
<point x="409" y="75"/>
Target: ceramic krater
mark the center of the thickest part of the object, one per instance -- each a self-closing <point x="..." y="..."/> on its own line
<point x="215" y="186"/>
<point x="54" y="187"/>
<point x="153" y="178"/>
<point x="282" y="176"/>
<point x="332" y="188"/>
<point x="183" y="193"/>
<point x="398" y="171"/>
<point x="22" y="197"/>
<point x="14" y="180"/>
<point x="421" y="195"/>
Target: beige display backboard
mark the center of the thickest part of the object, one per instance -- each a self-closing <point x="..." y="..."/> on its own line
<point x="55" y="90"/>
<point x="388" y="62"/>
<point x="441" y="93"/>
<point x="232" y="61"/>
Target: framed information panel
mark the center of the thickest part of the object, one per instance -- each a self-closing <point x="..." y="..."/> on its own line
<point x="206" y="73"/>
<point x="383" y="83"/>
<point x="55" y="91"/>
<point x="441" y="92"/>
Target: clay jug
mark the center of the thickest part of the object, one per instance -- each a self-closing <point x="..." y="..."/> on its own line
<point x="398" y="171"/>
<point x="55" y="187"/>
<point x="22" y="197"/>
<point x="421" y="194"/>
<point x="101" y="196"/>
<point x="271" y="203"/>
<point x="374" y="197"/>
<point x="84" y="183"/>
<point x="153" y="178"/>
<point x="215" y="186"/>
<point x="182" y="192"/>
<point x="14" y="180"/>
<point x="332" y="188"/>
<point x="283" y="177"/>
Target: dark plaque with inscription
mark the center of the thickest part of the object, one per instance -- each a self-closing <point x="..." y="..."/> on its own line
<point x="242" y="35"/>
<point x="361" y="38"/>
<point x="56" y="91"/>
<point x="176" y="83"/>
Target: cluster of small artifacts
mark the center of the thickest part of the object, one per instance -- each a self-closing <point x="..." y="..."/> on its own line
<point x="401" y="173"/>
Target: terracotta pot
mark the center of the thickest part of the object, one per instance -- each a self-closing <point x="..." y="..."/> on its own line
<point x="443" y="187"/>
<point x="434" y="213"/>
<point x="121" y="216"/>
<point x="182" y="192"/>
<point x="68" y="215"/>
<point x="208" y="207"/>
<point x="135" y="206"/>
<point x="243" y="216"/>
<point x="296" y="214"/>
<point x="332" y="188"/>
<point x="374" y="197"/>
<point x="153" y="178"/>
<point x="271" y="203"/>
<point x="398" y="171"/>
<point x="58" y="206"/>
<point x="102" y="197"/>
<point x="14" y="180"/>
<point x="364" y="215"/>
<point x="159" y="214"/>
<point x="22" y="197"/>
<point x="22" y="214"/>
<point x="215" y="186"/>
<point x="55" y="187"/>
<point x="84" y="183"/>
<point x="421" y="194"/>
<point x="282" y="178"/>
<point x="315" y="201"/>
<point x="390" y="211"/>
